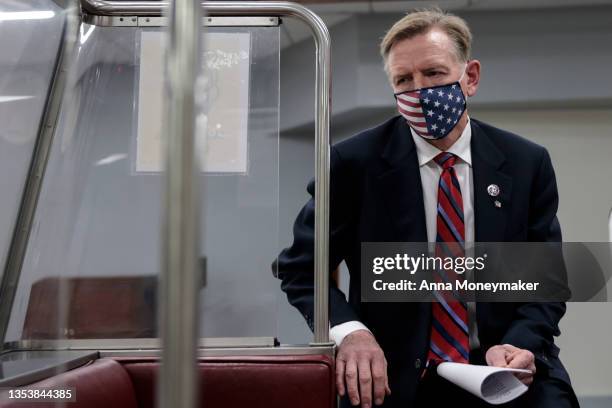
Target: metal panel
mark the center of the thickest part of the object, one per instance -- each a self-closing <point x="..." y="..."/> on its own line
<point x="132" y="21"/>
<point x="135" y="344"/>
<point x="217" y="352"/>
<point x="27" y="367"/>
<point x="151" y="347"/>
<point x="111" y="21"/>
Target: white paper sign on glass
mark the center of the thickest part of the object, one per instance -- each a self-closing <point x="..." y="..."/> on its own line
<point x="226" y="84"/>
<point x="495" y="385"/>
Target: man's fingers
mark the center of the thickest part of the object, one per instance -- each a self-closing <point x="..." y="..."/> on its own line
<point x="522" y="376"/>
<point x="528" y="379"/>
<point x="510" y="355"/>
<point x="525" y="378"/>
<point x="350" y="376"/>
<point x="365" y="382"/>
<point x="523" y="359"/>
<point x="387" y="388"/>
<point x="361" y="369"/>
<point x="379" y="379"/>
<point x="507" y="355"/>
<point x="496" y="356"/>
<point x="510" y="348"/>
<point x="340" y="376"/>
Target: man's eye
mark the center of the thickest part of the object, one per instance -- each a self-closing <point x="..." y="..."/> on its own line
<point x="399" y="81"/>
<point x="434" y="73"/>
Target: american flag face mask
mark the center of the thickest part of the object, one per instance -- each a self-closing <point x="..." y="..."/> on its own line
<point x="432" y="112"/>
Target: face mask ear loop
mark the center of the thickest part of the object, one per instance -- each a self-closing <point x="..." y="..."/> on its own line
<point x="463" y="73"/>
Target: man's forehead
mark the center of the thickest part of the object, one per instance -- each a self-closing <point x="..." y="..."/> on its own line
<point x="434" y="38"/>
<point x="422" y="51"/>
<point x="400" y="66"/>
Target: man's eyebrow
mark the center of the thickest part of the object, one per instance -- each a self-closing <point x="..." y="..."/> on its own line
<point x="434" y="67"/>
<point x="401" y="75"/>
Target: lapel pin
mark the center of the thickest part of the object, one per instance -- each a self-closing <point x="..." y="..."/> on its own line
<point x="497" y="203"/>
<point x="493" y="190"/>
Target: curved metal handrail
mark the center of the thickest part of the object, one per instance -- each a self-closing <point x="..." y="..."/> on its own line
<point x="322" y="114"/>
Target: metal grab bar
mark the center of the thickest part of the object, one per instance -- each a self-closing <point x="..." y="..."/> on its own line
<point x="180" y="231"/>
<point x="322" y="115"/>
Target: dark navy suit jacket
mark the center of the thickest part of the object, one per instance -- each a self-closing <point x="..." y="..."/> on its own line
<point x="376" y="196"/>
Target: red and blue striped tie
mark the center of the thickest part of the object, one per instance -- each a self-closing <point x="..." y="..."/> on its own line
<point x="449" y="339"/>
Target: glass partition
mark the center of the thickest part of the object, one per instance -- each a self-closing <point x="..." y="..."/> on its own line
<point x="93" y="257"/>
<point x="30" y="38"/>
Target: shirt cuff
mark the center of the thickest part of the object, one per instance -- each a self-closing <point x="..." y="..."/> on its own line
<point x="340" y="331"/>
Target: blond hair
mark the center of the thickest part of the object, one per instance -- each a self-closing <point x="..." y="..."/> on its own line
<point x="420" y="22"/>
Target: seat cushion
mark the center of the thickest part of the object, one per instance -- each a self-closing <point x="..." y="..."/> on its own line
<point x="102" y="383"/>
<point x="249" y="381"/>
<point x="77" y="307"/>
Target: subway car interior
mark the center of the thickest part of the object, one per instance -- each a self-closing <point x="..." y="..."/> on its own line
<point x="153" y="159"/>
<point x="80" y="297"/>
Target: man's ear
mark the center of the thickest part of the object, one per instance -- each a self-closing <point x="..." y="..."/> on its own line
<point x="472" y="77"/>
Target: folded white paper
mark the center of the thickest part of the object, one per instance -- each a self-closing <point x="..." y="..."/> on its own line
<point x="495" y="385"/>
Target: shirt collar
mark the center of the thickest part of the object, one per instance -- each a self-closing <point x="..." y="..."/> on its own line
<point x="461" y="148"/>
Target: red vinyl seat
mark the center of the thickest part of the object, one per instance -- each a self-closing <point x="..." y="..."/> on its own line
<point x="102" y="383"/>
<point x="301" y="381"/>
<point x="253" y="381"/>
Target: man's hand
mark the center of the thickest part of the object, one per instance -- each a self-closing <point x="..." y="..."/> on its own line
<point x="508" y="356"/>
<point x="361" y="363"/>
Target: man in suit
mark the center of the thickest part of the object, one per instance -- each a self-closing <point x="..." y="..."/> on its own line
<point x="432" y="174"/>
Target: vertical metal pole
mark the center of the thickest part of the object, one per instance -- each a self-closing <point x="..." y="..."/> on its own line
<point x="179" y="279"/>
<point x="322" y="176"/>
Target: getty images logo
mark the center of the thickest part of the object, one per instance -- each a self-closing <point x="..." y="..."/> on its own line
<point x="413" y="264"/>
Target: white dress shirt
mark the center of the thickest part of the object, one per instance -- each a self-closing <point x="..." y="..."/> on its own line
<point x="430" y="176"/>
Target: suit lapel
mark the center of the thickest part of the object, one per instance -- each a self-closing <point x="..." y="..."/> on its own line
<point x="402" y="192"/>
<point x="400" y="186"/>
<point x="487" y="160"/>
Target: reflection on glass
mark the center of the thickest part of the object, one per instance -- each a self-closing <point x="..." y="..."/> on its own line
<point x="93" y="256"/>
<point x="29" y="52"/>
<point x="26" y="15"/>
